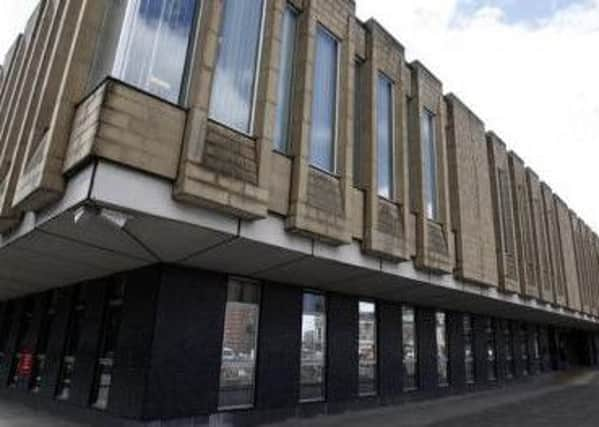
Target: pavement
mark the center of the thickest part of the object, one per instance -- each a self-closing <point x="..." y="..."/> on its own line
<point x="562" y="400"/>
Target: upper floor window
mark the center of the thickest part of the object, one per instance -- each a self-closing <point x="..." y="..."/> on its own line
<point x="313" y="351"/>
<point x="325" y="101"/>
<point x="367" y="348"/>
<point x="285" y="84"/>
<point x="384" y="127"/>
<point x="468" y="349"/>
<point x="236" y="71"/>
<point x="410" y="349"/>
<point x="145" y="43"/>
<point x="442" y="351"/>
<point x="240" y="341"/>
<point x="429" y="165"/>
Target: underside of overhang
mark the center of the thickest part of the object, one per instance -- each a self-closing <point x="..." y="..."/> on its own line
<point x="115" y="219"/>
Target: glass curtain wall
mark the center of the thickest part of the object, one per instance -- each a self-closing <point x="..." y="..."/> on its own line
<point x="240" y="341"/>
<point x="145" y="43"/>
<point x="313" y="350"/>
<point x="367" y="348"/>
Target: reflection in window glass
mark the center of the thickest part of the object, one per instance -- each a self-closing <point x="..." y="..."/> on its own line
<point x="468" y="349"/>
<point x="313" y="357"/>
<point x="324" y="102"/>
<point x="145" y="43"/>
<point x="491" y="350"/>
<point x="410" y="349"/>
<point x="509" y="351"/>
<point x="367" y="348"/>
<point x="63" y="390"/>
<point x="113" y="312"/>
<point x="5" y="327"/>
<point x="536" y="346"/>
<point x="429" y="165"/>
<point x="442" y="352"/>
<point x="24" y="353"/>
<point x="39" y="367"/>
<point x="385" y="136"/>
<point x="237" y="374"/>
<point x="285" y="85"/>
<point x="236" y="72"/>
<point x="524" y="349"/>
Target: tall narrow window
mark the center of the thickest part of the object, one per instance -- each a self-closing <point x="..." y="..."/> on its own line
<point x="509" y="351"/>
<point x="491" y="350"/>
<point x="468" y="349"/>
<point x="24" y="353"/>
<point x="313" y="352"/>
<point x="367" y="348"/>
<point x="67" y="367"/>
<point x="442" y="351"/>
<point x="429" y="165"/>
<point x="113" y="312"/>
<point x="524" y="349"/>
<point x="324" y="102"/>
<point x="145" y="43"/>
<point x="39" y="368"/>
<point x="237" y="374"/>
<point x="285" y="85"/>
<point x="236" y="72"/>
<point x="410" y="349"/>
<point x="384" y="126"/>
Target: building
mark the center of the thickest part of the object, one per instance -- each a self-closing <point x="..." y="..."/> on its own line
<point x="234" y="211"/>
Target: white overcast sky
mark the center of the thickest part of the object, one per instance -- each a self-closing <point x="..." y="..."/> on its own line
<point x="528" y="68"/>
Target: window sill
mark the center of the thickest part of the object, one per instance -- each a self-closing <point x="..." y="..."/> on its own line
<point x="324" y="171"/>
<point x="232" y="129"/>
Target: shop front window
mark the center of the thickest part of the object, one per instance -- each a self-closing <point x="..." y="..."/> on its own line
<point x="145" y="43"/>
<point x="113" y="313"/>
<point x="313" y="350"/>
<point x="442" y="351"/>
<point x="468" y="349"/>
<point x="367" y="348"/>
<point x="67" y="368"/>
<point x="524" y="349"/>
<point x="410" y="349"/>
<point x="509" y="351"/>
<point x="491" y="350"/>
<point x="23" y="359"/>
<point x="238" y="363"/>
<point x="39" y="368"/>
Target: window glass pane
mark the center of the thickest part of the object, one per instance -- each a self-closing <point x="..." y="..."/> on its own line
<point x="285" y="85"/>
<point x="468" y="349"/>
<point x="313" y="350"/>
<point x="429" y="164"/>
<point x="536" y="349"/>
<point x="237" y="375"/>
<point x="524" y="349"/>
<point x="491" y="350"/>
<point x="367" y="348"/>
<point x="39" y="368"/>
<point x="145" y="43"/>
<point x="410" y="350"/>
<point x="442" y="351"/>
<point x="385" y="136"/>
<point x="23" y="357"/>
<point x="113" y="312"/>
<point x="235" y="75"/>
<point x="509" y="351"/>
<point x="324" y="102"/>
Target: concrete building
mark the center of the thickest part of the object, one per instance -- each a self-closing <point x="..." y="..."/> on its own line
<point x="237" y="211"/>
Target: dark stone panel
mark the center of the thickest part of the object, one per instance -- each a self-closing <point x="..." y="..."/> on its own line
<point x="342" y="348"/>
<point x="545" y="354"/>
<point x="427" y="350"/>
<point x="279" y="347"/>
<point x="87" y="351"/>
<point x="132" y="358"/>
<point x="56" y="341"/>
<point x="457" y="361"/>
<point x="11" y="341"/>
<point x="390" y="351"/>
<point x="186" y="350"/>
<point x="480" y="350"/>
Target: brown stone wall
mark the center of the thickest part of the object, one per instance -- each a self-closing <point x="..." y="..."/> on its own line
<point x="503" y="215"/>
<point x="568" y="254"/>
<point x="470" y="193"/>
<point x="525" y="236"/>
<point x="434" y="239"/>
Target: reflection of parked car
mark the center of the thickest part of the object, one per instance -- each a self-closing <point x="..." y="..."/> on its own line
<point x="228" y="354"/>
